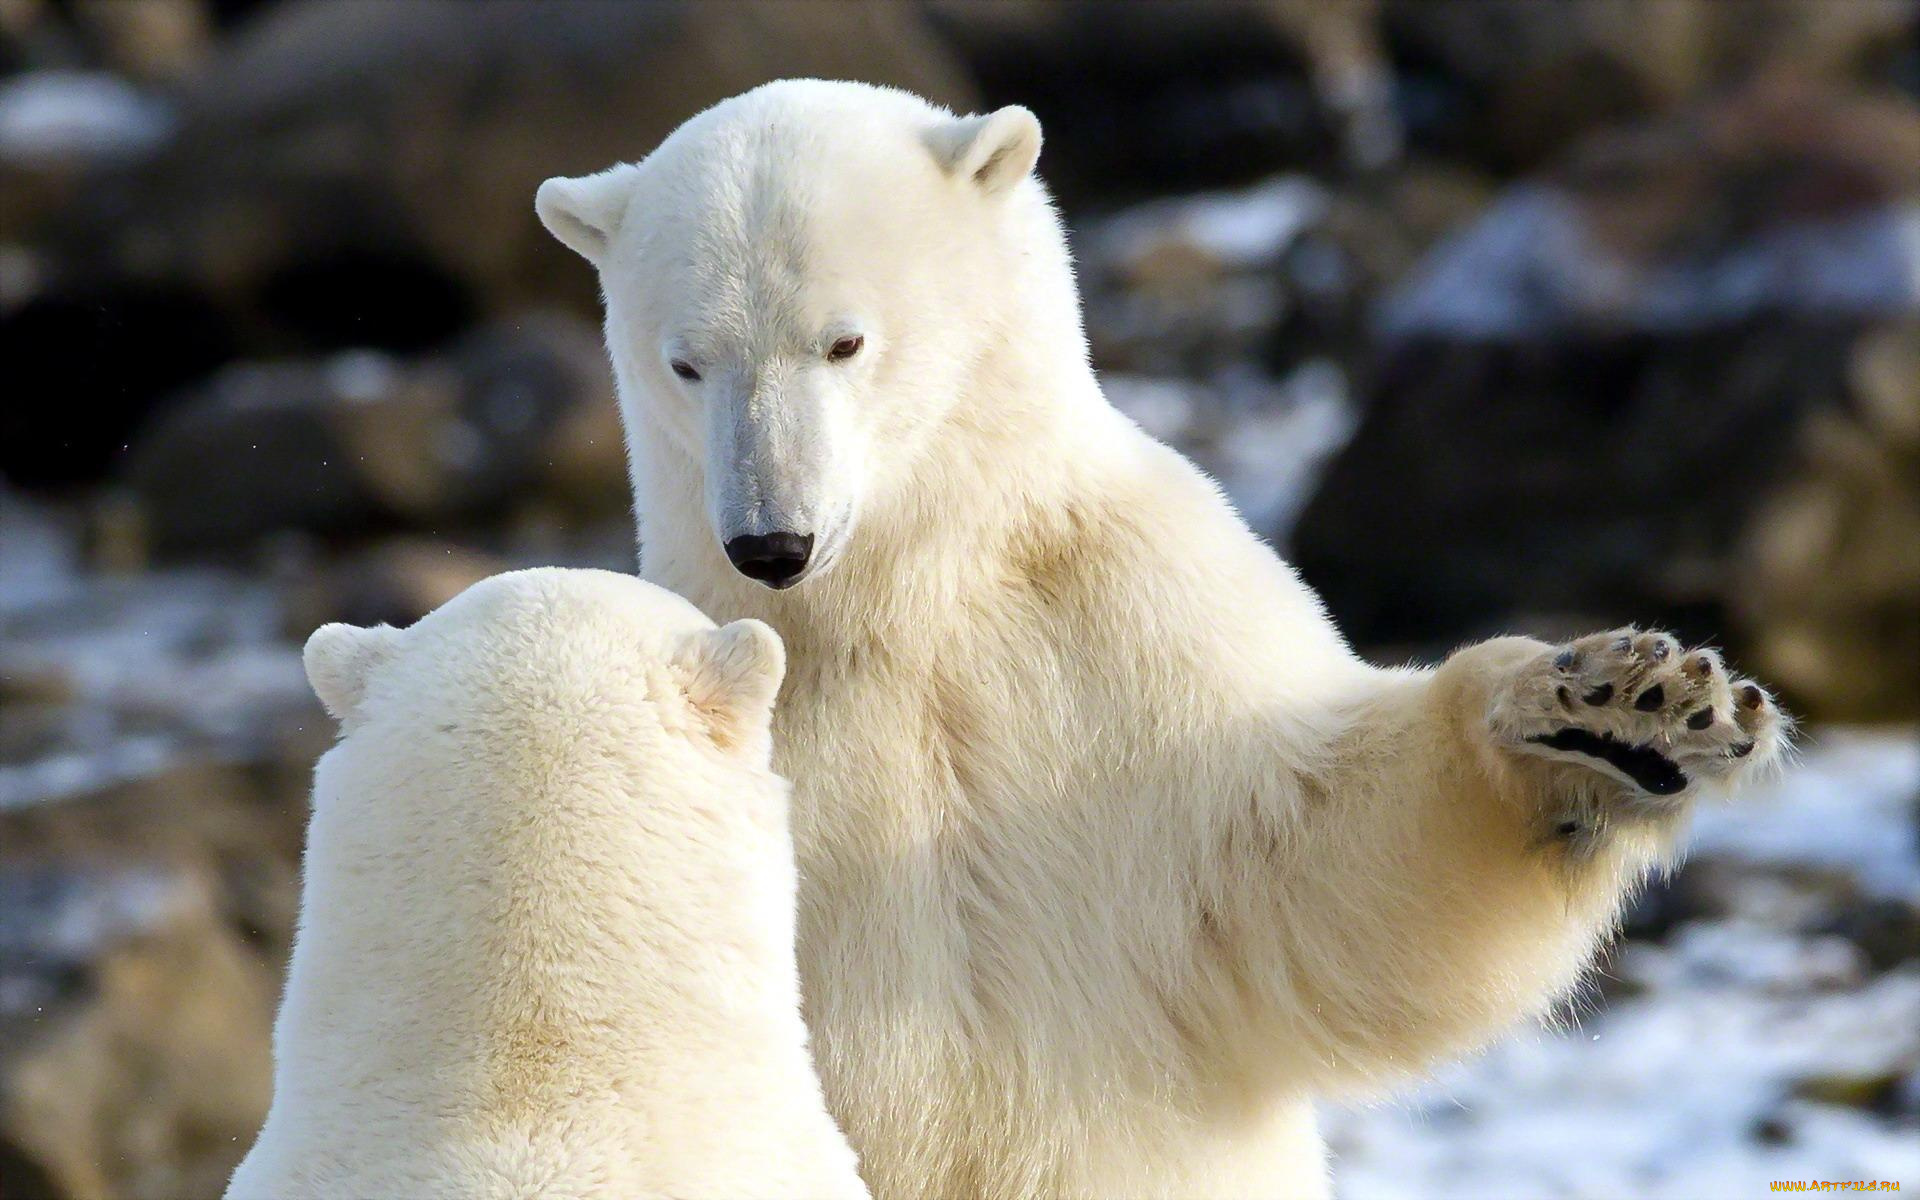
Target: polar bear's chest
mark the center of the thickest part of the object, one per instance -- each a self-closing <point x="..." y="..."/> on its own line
<point x="962" y="890"/>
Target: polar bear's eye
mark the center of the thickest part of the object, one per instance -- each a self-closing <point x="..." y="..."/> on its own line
<point x="845" y="348"/>
<point x="684" y="370"/>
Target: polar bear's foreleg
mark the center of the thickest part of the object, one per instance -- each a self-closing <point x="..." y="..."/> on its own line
<point x="1454" y="863"/>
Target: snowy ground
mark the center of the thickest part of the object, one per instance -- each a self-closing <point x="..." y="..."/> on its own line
<point x="1744" y="1049"/>
<point x="110" y="677"/>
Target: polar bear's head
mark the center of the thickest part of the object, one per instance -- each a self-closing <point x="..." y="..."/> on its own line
<point x="799" y="284"/>
<point x="564" y="663"/>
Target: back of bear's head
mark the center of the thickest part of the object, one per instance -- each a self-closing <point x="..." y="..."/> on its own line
<point x="555" y="655"/>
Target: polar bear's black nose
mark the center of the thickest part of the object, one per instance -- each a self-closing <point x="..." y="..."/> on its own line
<point x="775" y="559"/>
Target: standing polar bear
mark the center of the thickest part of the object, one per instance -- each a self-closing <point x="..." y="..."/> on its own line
<point x="1114" y="856"/>
<point x="546" y="940"/>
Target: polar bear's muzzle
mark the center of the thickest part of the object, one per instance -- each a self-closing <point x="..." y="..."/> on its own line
<point x="775" y="492"/>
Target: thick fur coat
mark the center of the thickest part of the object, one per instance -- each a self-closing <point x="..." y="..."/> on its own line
<point x="1114" y="857"/>
<point x="546" y="939"/>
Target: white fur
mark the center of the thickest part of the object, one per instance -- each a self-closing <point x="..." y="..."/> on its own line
<point x="1113" y="855"/>
<point x="546" y="938"/>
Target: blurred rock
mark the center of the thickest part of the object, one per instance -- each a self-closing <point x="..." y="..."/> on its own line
<point x="395" y="582"/>
<point x="146" y="1071"/>
<point x="1695" y="891"/>
<point x="236" y="826"/>
<point x="1875" y="1090"/>
<point x="1827" y="590"/>
<point x="1608" y="476"/>
<point x="1814" y="901"/>
<point x="1584" y="398"/>
<point x="1195" y="282"/>
<point x="150" y="39"/>
<point x="1510" y="84"/>
<point x="359" y="173"/>
<point x="1280" y="274"/>
<point x="1146" y="98"/>
<point x="1887" y="930"/>
<point x="1263" y="439"/>
<point x="585" y="473"/>
<point x="1782" y="198"/>
<point x="142" y="934"/>
<point x="361" y="439"/>
<point x="89" y="366"/>
<point x="117" y="678"/>
<point x="23" y="685"/>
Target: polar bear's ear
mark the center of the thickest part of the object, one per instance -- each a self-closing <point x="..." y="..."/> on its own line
<point x="585" y="213"/>
<point x="733" y="673"/>
<point x="996" y="151"/>
<point x="339" y="658"/>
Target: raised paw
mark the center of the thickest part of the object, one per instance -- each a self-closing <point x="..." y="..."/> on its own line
<point x="1641" y="709"/>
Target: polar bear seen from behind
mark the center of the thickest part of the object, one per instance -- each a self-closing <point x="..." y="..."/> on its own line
<point x="546" y="938"/>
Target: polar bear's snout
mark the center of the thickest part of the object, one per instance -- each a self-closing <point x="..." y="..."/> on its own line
<point x="775" y="559"/>
<point x="779" y="473"/>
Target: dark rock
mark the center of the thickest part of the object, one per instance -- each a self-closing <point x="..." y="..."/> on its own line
<point x="1875" y="1091"/>
<point x="1887" y="930"/>
<point x="1148" y="98"/>
<point x="142" y="933"/>
<point x="1826" y="592"/>
<point x="1669" y="901"/>
<point x="1583" y="398"/>
<point x="88" y="366"/>
<point x="1604" y="474"/>
<point x="1509" y="85"/>
<point x="146" y="1076"/>
<point x="153" y="41"/>
<point x="1773" y="1130"/>
<point x="395" y="582"/>
<point x="361" y="440"/>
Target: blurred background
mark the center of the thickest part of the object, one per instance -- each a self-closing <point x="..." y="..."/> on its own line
<point x="1492" y="314"/>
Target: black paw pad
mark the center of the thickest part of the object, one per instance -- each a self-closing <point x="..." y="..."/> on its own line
<point x="1741" y="751"/>
<point x="1701" y="719"/>
<point x="1599" y="695"/>
<point x="1752" y="697"/>
<point x="1651" y="699"/>
<point x="1653" y="771"/>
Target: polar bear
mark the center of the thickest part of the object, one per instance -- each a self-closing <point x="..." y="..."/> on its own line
<point x="546" y="940"/>
<point x="1114" y="855"/>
